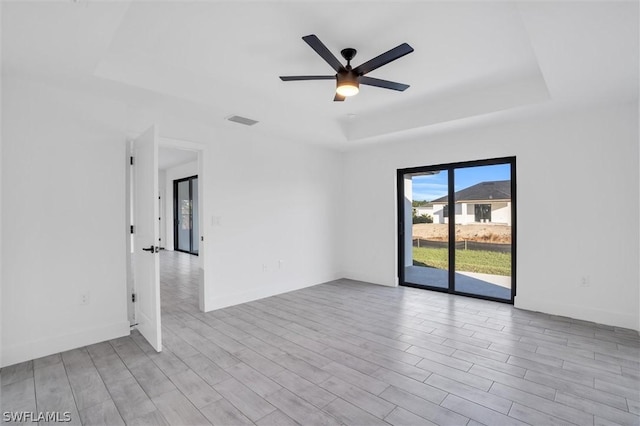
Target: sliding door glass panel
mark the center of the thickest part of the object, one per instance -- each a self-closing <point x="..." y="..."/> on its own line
<point x="183" y="216"/>
<point x="426" y="233"/>
<point x="482" y="201"/>
<point x="457" y="228"/>
<point x="194" y="217"/>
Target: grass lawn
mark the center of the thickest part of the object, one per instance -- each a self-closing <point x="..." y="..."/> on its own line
<point x="485" y="262"/>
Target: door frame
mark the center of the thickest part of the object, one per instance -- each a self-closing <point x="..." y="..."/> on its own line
<point x="203" y="211"/>
<point x="450" y="167"/>
<point x="176" y="213"/>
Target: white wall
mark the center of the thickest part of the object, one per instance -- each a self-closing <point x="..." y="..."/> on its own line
<point x="65" y="228"/>
<point x="424" y="211"/>
<point x="466" y="213"/>
<point x="63" y="171"/>
<point x="561" y="162"/>
<point x="297" y="188"/>
<point x="171" y="174"/>
<point x="438" y="213"/>
<point x="500" y="213"/>
<point x="62" y="232"/>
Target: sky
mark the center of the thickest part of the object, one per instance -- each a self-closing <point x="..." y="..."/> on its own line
<point x="430" y="187"/>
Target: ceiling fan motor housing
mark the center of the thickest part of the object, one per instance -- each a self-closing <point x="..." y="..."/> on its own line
<point x="347" y="77"/>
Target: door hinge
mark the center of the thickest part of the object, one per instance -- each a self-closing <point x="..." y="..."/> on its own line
<point x="131" y="160"/>
<point x="133" y="297"/>
<point x="132" y="228"/>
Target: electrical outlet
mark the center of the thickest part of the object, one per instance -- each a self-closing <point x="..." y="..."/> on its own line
<point x="84" y="298"/>
<point x="264" y="267"/>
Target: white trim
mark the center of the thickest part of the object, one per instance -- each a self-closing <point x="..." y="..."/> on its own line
<point x="599" y="316"/>
<point x="256" y="294"/>
<point x="26" y="351"/>
<point x="371" y="279"/>
<point x="180" y="144"/>
<point x="131" y="316"/>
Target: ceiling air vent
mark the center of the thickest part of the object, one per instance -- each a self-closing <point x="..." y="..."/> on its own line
<point x="242" y="120"/>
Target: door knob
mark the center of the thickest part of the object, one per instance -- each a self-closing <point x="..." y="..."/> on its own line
<point x="152" y="249"/>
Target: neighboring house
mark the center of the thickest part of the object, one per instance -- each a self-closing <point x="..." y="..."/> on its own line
<point x="485" y="202"/>
<point x="424" y="210"/>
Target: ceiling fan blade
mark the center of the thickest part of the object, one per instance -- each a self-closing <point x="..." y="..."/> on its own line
<point x="380" y="60"/>
<point x="385" y="84"/>
<point x="338" y="98"/>
<point x="322" y="50"/>
<point x="307" y="77"/>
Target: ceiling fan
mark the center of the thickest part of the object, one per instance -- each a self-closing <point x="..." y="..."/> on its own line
<point x="348" y="79"/>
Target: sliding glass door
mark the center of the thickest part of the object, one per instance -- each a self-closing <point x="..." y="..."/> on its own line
<point x="456" y="228"/>
<point x="426" y="242"/>
<point x="186" y="236"/>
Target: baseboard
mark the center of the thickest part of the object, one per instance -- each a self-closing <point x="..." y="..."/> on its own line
<point x="254" y="294"/>
<point x="371" y="279"/>
<point x="583" y="313"/>
<point x="239" y="298"/>
<point x="13" y="354"/>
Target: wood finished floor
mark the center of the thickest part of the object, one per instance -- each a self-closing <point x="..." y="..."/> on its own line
<point x="341" y="353"/>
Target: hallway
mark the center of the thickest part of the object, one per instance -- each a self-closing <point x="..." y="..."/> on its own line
<point x="179" y="278"/>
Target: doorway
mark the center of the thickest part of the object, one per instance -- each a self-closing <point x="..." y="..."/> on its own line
<point x="186" y="159"/>
<point x="186" y="233"/>
<point x="456" y="228"/>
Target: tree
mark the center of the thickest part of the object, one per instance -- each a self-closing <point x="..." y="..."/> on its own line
<point x="423" y="218"/>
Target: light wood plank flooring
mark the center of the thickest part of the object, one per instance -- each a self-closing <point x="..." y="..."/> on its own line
<point x="341" y="353"/>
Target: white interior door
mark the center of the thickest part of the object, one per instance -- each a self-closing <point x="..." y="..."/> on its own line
<point x="145" y="242"/>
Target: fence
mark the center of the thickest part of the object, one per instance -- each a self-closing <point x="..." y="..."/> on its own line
<point x="464" y="245"/>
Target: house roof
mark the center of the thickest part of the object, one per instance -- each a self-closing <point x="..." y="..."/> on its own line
<point x="490" y="190"/>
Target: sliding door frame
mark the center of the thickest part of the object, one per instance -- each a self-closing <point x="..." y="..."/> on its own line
<point x="176" y="214"/>
<point x="450" y="168"/>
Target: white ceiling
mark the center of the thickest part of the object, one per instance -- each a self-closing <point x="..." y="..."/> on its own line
<point x="207" y="60"/>
<point x="171" y="157"/>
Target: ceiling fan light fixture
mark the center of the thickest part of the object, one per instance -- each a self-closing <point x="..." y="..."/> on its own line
<point x="347" y="85"/>
<point x="348" y="89"/>
<point x="348" y="79"/>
